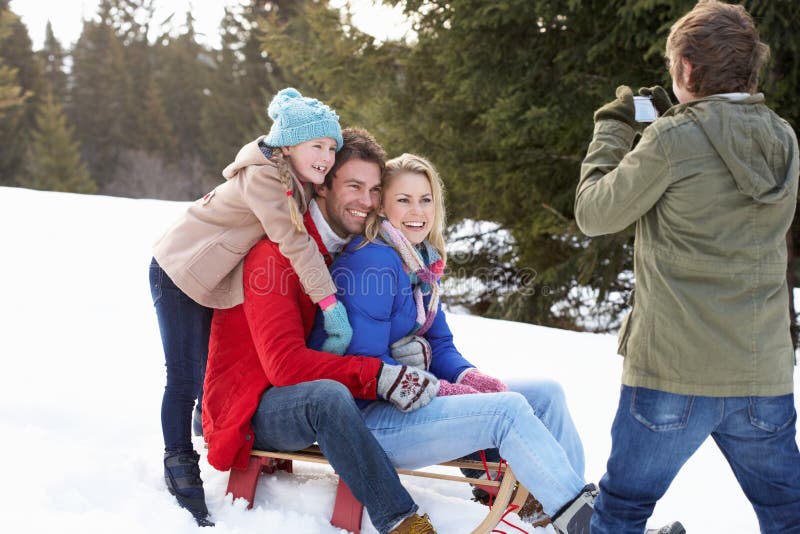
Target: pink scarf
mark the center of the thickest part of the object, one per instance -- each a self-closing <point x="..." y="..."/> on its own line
<point x="424" y="267"/>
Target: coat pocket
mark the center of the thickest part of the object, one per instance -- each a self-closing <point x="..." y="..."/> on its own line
<point x="212" y="266"/>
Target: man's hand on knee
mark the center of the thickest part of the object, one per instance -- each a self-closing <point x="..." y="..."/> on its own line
<point x="406" y="387"/>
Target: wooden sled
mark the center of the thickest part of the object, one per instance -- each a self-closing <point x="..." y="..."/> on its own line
<point x="347" y="510"/>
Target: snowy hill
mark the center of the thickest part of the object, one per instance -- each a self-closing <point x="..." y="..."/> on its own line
<point x="83" y="373"/>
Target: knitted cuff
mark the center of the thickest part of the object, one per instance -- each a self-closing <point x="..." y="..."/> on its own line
<point x="327" y="302"/>
<point x="462" y="374"/>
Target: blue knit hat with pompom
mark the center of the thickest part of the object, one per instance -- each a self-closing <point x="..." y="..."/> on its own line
<point x="297" y="119"/>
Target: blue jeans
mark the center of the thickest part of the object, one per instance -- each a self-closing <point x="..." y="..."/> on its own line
<point x="290" y="418"/>
<point x="549" y="404"/>
<point x="452" y="427"/>
<point x="655" y="433"/>
<point x="185" y="328"/>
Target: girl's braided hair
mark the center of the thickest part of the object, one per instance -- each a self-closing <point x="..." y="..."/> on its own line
<point x="285" y="176"/>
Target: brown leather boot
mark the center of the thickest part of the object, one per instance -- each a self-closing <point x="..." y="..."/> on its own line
<point x="414" y="524"/>
<point x="532" y="513"/>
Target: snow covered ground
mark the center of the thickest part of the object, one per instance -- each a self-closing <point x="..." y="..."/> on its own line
<point x="82" y="377"/>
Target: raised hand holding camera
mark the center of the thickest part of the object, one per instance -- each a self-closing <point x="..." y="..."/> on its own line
<point x="660" y="98"/>
<point x="621" y="109"/>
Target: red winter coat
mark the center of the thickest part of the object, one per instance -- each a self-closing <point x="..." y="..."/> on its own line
<point x="262" y="343"/>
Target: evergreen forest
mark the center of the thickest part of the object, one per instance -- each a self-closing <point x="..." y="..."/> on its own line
<point x="499" y="95"/>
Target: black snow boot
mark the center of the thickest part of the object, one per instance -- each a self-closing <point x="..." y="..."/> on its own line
<point x="182" y="475"/>
<point x="574" y="517"/>
<point x="673" y="528"/>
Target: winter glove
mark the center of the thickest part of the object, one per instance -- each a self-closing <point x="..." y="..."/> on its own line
<point x="481" y="382"/>
<point x="660" y="98"/>
<point x="406" y="387"/>
<point x="622" y="109"/>
<point x="414" y="351"/>
<point x="448" y="388"/>
<point x="337" y="326"/>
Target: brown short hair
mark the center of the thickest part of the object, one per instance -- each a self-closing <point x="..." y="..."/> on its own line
<point x="359" y="144"/>
<point x="721" y="42"/>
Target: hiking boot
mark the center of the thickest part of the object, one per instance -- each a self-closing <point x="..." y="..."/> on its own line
<point x="414" y="524"/>
<point x="182" y="476"/>
<point x="530" y="512"/>
<point x="574" y="517"/>
<point x="673" y="528"/>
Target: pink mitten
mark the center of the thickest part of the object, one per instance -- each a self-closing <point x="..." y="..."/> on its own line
<point x="448" y="388"/>
<point x="481" y="382"/>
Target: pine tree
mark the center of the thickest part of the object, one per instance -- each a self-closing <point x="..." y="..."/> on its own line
<point x="500" y="95"/>
<point x="11" y="94"/>
<point x="318" y="50"/>
<point x="148" y="126"/>
<point x="155" y="130"/>
<point x="240" y="87"/>
<point x="52" y="56"/>
<point x="100" y="96"/>
<point x="54" y="156"/>
<point x="183" y="72"/>
<point x="21" y="85"/>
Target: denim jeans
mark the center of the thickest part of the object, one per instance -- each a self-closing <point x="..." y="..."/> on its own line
<point x="452" y="427"/>
<point x="549" y="404"/>
<point x="290" y="418"/>
<point x="655" y="433"/>
<point x="185" y="328"/>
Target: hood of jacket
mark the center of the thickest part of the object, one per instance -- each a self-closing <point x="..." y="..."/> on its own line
<point x="249" y="154"/>
<point x="764" y="160"/>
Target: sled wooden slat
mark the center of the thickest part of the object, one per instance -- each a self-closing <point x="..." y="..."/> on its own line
<point x="314" y="455"/>
<point x="347" y="511"/>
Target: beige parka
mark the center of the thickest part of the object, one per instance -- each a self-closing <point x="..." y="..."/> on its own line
<point x="203" y="251"/>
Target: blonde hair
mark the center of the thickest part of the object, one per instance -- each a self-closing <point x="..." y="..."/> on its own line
<point x="285" y="176"/>
<point x="411" y="163"/>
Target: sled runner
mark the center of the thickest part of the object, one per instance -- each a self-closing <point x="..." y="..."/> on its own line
<point x="347" y="510"/>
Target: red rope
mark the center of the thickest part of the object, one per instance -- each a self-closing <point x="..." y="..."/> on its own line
<point x="482" y="454"/>
<point x="511" y="507"/>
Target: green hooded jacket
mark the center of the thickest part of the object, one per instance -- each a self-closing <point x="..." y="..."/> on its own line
<point x="712" y="188"/>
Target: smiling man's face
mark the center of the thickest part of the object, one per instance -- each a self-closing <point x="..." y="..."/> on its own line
<point x="354" y="193"/>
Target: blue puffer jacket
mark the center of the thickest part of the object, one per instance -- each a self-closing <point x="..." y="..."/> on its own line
<point x="378" y="296"/>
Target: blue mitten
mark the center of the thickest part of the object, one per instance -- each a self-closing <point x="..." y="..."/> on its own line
<point x="337" y="326"/>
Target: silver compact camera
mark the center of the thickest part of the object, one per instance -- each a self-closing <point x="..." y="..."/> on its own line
<point x="645" y="110"/>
